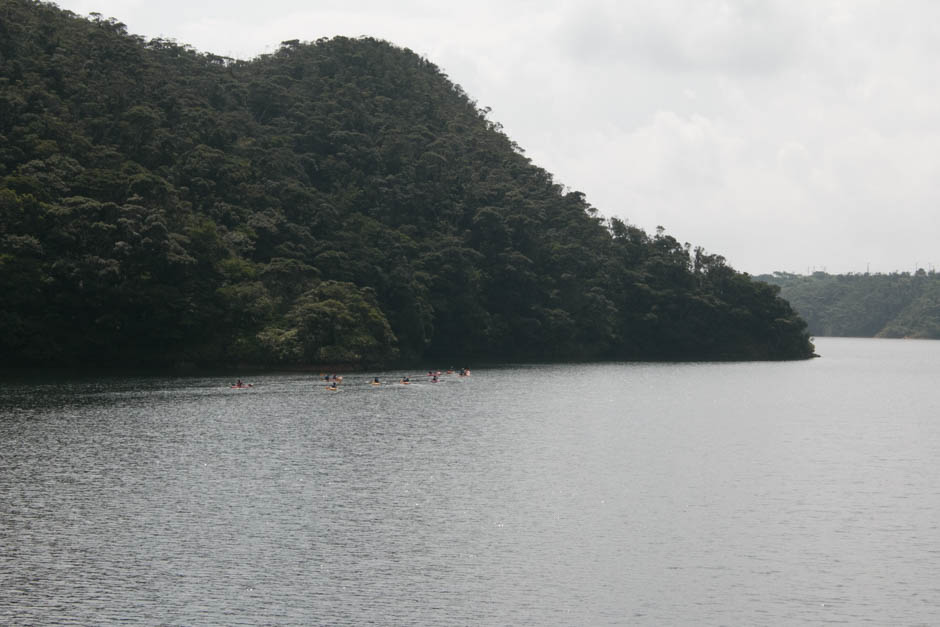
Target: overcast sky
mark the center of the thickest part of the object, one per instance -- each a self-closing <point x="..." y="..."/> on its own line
<point x="785" y="135"/>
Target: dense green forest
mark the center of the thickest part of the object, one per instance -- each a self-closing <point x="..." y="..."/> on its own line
<point x="336" y="202"/>
<point x="865" y="305"/>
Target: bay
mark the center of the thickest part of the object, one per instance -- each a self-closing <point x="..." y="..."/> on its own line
<point x="585" y="494"/>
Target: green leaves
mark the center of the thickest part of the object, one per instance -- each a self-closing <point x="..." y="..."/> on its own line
<point x="340" y="323"/>
<point x="337" y="202"/>
<point x="865" y="305"/>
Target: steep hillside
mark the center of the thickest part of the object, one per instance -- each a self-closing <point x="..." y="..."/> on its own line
<point x="336" y="202"/>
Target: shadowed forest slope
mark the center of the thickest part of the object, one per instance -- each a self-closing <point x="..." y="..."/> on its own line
<point x="335" y="202"/>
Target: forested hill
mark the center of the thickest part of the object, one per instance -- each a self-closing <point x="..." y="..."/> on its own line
<point x="865" y="305"/>
<point x="338" y="202"/>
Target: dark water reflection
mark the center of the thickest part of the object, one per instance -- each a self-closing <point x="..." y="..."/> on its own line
<point x="653" y="494"/>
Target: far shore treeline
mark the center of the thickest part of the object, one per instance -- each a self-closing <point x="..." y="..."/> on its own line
<point x="896" y="305"/>
<point x="336" y="202"/>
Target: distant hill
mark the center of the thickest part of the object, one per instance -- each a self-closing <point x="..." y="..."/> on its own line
<point x="865" y="305"/>
<point x="337" y="202"/>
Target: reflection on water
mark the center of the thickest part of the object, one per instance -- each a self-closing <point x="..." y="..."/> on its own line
<point x="707" y="494"/>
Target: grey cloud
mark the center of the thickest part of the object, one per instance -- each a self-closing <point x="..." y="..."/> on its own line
<point x="809" y="125"/>
<point x="751" y="39"/>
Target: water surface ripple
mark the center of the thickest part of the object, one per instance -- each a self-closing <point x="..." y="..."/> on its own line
<point x="600" y="494"/>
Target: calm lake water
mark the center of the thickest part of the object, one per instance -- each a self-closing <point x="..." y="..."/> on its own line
<point x="604" y="494"/>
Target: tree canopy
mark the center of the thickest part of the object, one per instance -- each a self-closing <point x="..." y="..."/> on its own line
<point x="896" y="305"/>
<point x="336" y="202"/>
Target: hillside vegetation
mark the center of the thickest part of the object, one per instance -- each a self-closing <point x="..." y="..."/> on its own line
<point x="336" y="202"/>
<point x="865" y="305"/>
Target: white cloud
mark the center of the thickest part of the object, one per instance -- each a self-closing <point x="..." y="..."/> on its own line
<point x="783" y="135"/>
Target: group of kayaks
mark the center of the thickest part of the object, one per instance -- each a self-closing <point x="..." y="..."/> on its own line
<point x="432" y="377"/>
<point x="333" y="381"/>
